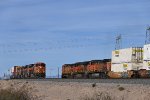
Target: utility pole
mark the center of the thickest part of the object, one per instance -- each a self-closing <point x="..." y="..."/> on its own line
<point x="118" y="42"/>
<point x="50" y="72"/>
<point x="8" y="73"/>
<point x="58" y="72"/>
<point x="147" y="40"/>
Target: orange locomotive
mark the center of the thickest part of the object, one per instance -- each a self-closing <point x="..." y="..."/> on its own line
<point x="37" y="70"/>
<point x="88" y="69"/>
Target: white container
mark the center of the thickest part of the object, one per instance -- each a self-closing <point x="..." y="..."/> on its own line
<point x="146" y="55"/>
<point x="133" y="54"/>
<point x="123" y="67"/>
<point x="146" y="65"/>
<point x="117" y="68"/>
<point x="115" y="56"/>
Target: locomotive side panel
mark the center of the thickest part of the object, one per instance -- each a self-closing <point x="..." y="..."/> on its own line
<point x="80" y="70"/>
<point x="39" y="70"/>
<point x="97" y="69"/>
<point x="67" y="70"/>
<point x="87" y="69"/>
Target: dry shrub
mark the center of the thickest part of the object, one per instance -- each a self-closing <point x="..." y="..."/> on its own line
<point x="98" y="96"/>
<point x="22" y="93"/>
<point x="94" y="85"/>
<point x="121" y="88"/>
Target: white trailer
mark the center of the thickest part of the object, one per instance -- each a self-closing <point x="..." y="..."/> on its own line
<point x="146" y="57"/>
<point x="124" y="67"/>
<point x="133" y="54"/>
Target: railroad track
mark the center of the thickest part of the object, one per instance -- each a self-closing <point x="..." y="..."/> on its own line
<point x="117" y="81"/>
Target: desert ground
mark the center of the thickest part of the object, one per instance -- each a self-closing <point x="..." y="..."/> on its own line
<point x="47" y="90"/>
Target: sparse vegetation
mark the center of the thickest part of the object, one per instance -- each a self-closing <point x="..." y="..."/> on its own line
<point x="121" y="88"/>
<point x="16" y="94"/>
<point x="94" y="85"/>
<point x="98" y="96"/>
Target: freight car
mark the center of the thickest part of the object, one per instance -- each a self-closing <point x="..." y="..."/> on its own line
<point x="99" y="69"/>
<point x="87" y="69"/>
<point x="37" y="70"/>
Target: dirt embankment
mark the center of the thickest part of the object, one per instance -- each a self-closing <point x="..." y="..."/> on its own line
<point x="46" y="90"/>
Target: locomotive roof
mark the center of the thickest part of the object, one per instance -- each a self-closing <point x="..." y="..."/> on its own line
<point x="67" y="64"/>
<point x="96" y="60"/>
<point x="31" y="64"/>
<point x="82" y="63"/>
<point x="87" y="62"/>
<point x="107" y="60"/>
<point x="17" y="66"/>
<point x="104" y="60"/>
<point x="39" y="63"/>
<point x="26" y="66"/>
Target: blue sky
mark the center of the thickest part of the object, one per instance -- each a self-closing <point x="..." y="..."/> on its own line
<point x="67" y="31"/>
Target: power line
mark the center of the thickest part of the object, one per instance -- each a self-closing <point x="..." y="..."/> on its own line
<point x="46" y="48"/>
